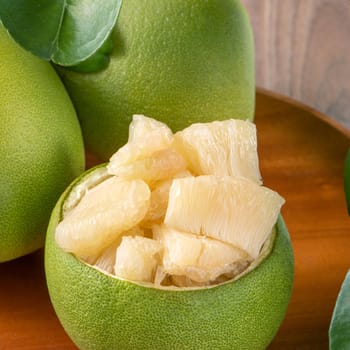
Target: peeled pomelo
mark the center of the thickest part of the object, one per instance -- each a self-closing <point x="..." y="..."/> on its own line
<point x="178" y="61"/>
<point x="103" y="213"/>
<point x="101" y="311"/>
<point x="41" y="147"/>
<point x="146" y="137"/>
<point x="199" y="258"/>
<point x="223" y="213"/>
<point x="149" y="153"/>
<point x="214" y="270"/>
<point x="205" y="148"/>
<point x="142" y="266"/>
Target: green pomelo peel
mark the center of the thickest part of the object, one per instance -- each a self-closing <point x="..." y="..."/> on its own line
<point x="99" y="311"/>
<point x="180" y="62"/>
<point x="41" y="147"/>
<point x="339" y="333"/>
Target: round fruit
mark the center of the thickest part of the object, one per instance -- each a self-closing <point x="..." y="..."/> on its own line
<point x="41" y="148"/>
<point x="100" y="311"/>
<point x="178" y="61"/>
<point x="143" y="254"/>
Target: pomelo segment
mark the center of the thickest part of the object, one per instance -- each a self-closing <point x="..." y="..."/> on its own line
<point x="136" y="258"/>
<point x="105" y="261"/>
<point x="146" y="136"/>
<point x="220" y="148"/>
<point x="199" y="258"/>
<point x="104" y="212"/>
<point x="159" y="200"/>
<point x="158" y="204"/>
<point x="162" y="165"/>
<point x="234" y="210"/>
<point x="148" y="155"/>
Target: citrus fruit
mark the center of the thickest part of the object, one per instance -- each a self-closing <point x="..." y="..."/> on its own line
<point x="206" y="263"/>
<point x="41" y="147"/>
<point x="178" y="61"/>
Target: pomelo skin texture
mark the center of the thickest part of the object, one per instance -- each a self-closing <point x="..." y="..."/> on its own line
<point x="99" y="311"/>
<point x="177" y="61"/>
<point x="41" y="147"/>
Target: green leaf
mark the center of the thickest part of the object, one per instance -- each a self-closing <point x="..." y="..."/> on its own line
<point x="347" y="180"/>
<point x="97" y="61"/>
<point x="339" y="331"/>
<point x="67" y="32"/>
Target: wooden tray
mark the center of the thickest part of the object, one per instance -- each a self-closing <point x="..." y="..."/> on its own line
<point x="302" y="155"/>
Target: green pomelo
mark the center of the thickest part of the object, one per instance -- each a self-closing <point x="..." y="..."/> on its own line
<point x="99" y="311"/>
<point x="177" y="61"/>
<point x="41" y="147"/>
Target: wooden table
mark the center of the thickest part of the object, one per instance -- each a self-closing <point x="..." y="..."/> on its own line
<point x="302" y="157"/>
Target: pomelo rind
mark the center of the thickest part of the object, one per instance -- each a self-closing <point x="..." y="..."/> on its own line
<point x="100" y="311"/>
<point x="41" y="147"/>
<point x="179" y="61"/>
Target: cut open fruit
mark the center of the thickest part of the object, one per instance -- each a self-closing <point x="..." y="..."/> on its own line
<point x="186" y="251"/>
<point x="181" y="210"/>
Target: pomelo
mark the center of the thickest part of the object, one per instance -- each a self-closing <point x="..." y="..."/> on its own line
<point x="41" y="147"/>
<point x="100" y="311"/>
<point x="178" y="61"/>
<point x="212" y="270"/>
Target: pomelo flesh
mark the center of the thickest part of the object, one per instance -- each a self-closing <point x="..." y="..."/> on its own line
<point x="199" y="258"/>
<point x="204" y="147"/>
<point x="224" y="212"/>
<point x="102" y="215"/>
<point x="218" y="207"/>
<point x="148" y="154"/>
<point x="142" y="266"/>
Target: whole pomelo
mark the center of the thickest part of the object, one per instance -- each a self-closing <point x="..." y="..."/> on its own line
<point x="178" y="61"/>
<point x="101" y="311"/>
<point x="41" y="148"/>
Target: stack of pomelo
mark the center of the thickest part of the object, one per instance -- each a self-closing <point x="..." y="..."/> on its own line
<point x="149" y="252"/>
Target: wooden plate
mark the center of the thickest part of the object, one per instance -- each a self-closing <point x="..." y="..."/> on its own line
<point x="302" y="156"/>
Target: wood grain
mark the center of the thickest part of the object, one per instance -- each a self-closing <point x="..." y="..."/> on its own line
<point x="303" y="51"/>
<point x="301" y="157"/>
